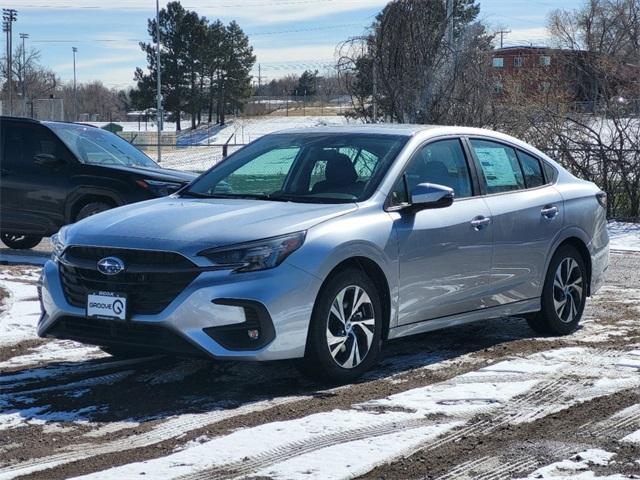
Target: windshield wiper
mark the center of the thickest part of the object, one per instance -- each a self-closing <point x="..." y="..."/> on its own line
<point x="192" y="194"/>
<point x="249" y="196"/>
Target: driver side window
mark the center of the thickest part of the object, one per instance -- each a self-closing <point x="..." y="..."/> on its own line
<point x="443" y="163"/>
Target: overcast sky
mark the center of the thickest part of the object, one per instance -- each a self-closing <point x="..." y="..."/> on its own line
<point x="287" y="35"/>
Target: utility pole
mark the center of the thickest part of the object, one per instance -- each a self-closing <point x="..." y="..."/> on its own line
<point x="502" y="33"/>
<point x="159" y="83"/>
<point x="259" y="76"/>
<point x="9" y="15"/>
<point x="374" y="78"/>
<point x="24" y="36"/>
<point x="75" y="86"/>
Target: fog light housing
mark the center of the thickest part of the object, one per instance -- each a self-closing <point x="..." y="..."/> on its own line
<point x="255" y="332"/>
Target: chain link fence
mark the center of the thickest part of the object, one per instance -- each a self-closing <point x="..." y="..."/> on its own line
<point x="192" y="158"/>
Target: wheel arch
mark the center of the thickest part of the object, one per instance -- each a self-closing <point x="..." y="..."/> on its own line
<point x="85" y="197"/>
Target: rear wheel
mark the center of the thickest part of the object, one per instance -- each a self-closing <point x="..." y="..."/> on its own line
<point x="563" y="296"/>
<point x="91" y="209"/>
<point x="345" y="333"/>
<point x="20" y="241"/>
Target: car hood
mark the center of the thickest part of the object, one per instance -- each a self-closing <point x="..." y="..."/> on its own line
<point x="190" y="225"/>
<point x="161" y="174"/>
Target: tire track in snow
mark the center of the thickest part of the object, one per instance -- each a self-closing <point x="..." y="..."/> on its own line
<point x="167" y="430"/>
<point x="252" y="464"/>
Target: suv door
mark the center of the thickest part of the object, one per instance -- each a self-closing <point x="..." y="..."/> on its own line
<point x="527" y="215"/>
<point x="444" y="254"/>
<point x="35" y="178"/>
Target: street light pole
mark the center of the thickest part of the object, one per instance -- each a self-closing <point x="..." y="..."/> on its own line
<point x="24" y="36"/>
<point x="9" y="15"/>
<point x="75" y="87"/>
<point x="159" y="82"/>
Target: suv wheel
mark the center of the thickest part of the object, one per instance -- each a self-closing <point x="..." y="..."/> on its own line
<point x="19" y="241"/>
<point x="91" y="209"/>
<point x="345" y="332"/>
<point x="563" y="296"/>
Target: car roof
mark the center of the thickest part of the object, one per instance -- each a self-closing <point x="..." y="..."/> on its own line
<point x="43" y="122"/>
<point x="408" y="130"/>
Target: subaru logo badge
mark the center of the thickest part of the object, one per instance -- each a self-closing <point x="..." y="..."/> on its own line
<point x="110" y="266"/>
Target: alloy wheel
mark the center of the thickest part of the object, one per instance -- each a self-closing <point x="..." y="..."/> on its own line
<point x="567" y="290"/>
<point x="350" y="326"/>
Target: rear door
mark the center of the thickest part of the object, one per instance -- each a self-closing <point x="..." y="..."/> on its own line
<point x="445" y="254"/>
<point x="527" y="214"/>
<point x="33" y="192"/>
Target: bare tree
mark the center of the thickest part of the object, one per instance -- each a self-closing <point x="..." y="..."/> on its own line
<point x="421" y="75"/>
<point x="600" y="139"/>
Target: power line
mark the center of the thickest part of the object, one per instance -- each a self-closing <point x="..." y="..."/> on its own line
<point x="193" y="7"/>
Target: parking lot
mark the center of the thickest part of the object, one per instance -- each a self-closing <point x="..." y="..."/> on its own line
<point x="488" y="401"/>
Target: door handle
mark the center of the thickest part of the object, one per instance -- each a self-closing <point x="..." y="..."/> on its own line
<point x="549" y="212"/>
<point x="479" y="223"/>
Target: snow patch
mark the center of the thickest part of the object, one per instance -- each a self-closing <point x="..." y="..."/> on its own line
<point x="624" y="236"/>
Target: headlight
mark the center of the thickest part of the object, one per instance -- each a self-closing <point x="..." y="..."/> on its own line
<point x="58" y="244"/>
<point x="258" y="255"/>
<point x="159" y="187"/>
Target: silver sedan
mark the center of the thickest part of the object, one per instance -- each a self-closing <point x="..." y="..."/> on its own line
<point x="320" y="244"/>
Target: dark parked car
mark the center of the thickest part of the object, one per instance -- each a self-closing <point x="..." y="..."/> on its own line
<point x="55" y="173"/>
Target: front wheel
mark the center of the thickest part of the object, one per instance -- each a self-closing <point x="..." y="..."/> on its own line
<point x="563" y="295"/>
<point x="345" y="333"/>
<point x="19" y="241"/>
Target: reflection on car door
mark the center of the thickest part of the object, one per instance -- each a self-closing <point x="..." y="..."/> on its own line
<point x="445" y="254"/>
<point x="527" y="215"/>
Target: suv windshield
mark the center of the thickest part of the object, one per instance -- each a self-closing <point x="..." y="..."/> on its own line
<point x="98" y="147"/>
<point x="299" y="167"/>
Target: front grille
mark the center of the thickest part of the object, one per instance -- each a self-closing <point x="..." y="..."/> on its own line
<point x="124" y="334"/>
<point x="151" y="280"/>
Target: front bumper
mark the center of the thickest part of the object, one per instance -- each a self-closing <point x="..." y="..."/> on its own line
<point x="189" y="324"/>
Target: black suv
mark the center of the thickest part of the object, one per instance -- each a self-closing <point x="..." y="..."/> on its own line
<point x="54" y="173"/>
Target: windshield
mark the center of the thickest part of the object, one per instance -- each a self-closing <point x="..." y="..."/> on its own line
<point x="98" y="147"/>
<point x="311" y="167"/>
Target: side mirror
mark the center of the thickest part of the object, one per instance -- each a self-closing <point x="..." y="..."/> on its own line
<point x="431" y="195"/>
<point x="47" y="160"/>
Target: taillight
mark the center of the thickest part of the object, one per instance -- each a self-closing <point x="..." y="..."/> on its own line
<point x="602" y="199"/>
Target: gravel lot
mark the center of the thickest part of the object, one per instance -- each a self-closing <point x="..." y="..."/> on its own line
<point x="486" y="401"/>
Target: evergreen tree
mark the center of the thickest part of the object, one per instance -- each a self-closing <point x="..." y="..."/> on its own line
<point x="203" y="64"/>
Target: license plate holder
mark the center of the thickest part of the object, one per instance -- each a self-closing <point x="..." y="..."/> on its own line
<point x="107" y="305"/>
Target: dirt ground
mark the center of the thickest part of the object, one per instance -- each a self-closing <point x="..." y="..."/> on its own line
<point x="68" y="410"/>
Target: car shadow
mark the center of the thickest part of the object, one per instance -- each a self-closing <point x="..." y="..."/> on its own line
<point x="155" y="388"/>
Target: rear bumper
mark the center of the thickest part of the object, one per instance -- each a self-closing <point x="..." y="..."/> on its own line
<point x="192" y="323"/>
<point x="599" y="267"/>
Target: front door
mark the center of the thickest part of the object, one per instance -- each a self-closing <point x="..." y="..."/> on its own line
<point x="33" y="191"/>
<point x="444" y="254"/>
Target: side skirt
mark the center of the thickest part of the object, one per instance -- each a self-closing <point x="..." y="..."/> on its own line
<point x="516" y="308"/>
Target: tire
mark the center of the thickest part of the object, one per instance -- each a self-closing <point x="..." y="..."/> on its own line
<point x="362" y="329"/>
<point x="91" y="209"/>
<point x="19" y="241"/>
<point x="563" y="295"/>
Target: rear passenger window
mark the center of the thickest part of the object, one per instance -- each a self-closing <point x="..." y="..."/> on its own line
<point x="532" y="170"/>
<point x="549" y="172"/>
<point x="500" y="167"/>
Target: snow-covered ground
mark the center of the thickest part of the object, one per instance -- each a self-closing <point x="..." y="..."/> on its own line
<point x="624" y="236"/>
<point x="135" y="127"/>
<point x="436" y="393"/>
